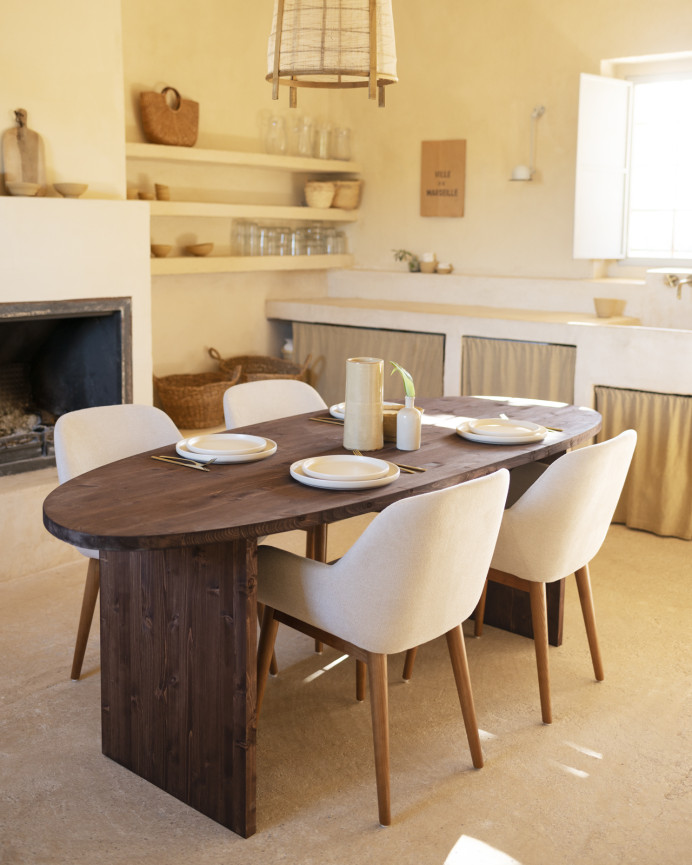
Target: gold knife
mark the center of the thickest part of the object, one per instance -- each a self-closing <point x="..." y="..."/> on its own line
<point x="181" y="461"/>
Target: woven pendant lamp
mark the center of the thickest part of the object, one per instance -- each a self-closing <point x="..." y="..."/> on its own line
<point x="332" y="43"/>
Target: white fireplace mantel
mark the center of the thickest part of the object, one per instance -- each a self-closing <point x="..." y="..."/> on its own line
<point x="70" y="249"/>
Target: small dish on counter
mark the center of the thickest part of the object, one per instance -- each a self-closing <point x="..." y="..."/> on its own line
<point x="19" y="187"/>
<point x="71" y="190"/>
<point x="199" y="249"/>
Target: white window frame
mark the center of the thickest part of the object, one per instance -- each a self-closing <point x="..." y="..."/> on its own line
<point x="603" y="159"/>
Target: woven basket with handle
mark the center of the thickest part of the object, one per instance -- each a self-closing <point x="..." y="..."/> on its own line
<point x="169" y="122"/>
<point x="195" y="400"/>
<point x="255" y="367"/>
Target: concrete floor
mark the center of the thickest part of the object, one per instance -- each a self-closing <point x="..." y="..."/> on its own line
<point x="609" y="781"/>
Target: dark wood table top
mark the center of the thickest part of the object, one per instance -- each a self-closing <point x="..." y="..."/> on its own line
<point x="139" y="503"/>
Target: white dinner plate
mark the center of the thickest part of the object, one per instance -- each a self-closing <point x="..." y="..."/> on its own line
<point x="345" y="467"/>
<point x="183" y="451"/>
<point x="503" y="427"/>
<point x="340" y="407"/>
<point x="226" y="444"/>
<point x="298" y="474"/>
<point x="464" y="431"/>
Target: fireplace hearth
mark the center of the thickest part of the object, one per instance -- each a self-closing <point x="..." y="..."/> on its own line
<point x="57" y="357"/>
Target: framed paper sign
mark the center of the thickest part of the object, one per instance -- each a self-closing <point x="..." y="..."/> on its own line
<point x="442" y="178"/>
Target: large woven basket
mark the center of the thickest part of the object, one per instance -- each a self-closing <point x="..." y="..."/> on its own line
<point x="195" y="400"/>
<point x="255" y="367"/>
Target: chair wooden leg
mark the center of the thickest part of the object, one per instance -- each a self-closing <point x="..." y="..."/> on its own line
<point x="408" y="663"/>
<point x="586" y="600"/>
<point x="460" y="665"/>
<point x="265" y="651"/>
<point x="273" y="667"/>
<point x="361" y="671"/>
<point x="377" y="674"/>
<point x="91" y="592"/>
<point x="316" y="548"/>
<point x="539" y="619"/>
<point x="479" y="615"/>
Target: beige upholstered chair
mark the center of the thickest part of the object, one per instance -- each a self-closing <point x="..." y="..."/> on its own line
<point x="268" y="399"/>
<point x="414" y="574"/>
<point x="258" y="401"/>
<point x="89" y="438"/>
<point x="553" y="530"/>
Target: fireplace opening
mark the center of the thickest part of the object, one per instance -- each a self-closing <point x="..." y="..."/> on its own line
<point x="54" y="358"/>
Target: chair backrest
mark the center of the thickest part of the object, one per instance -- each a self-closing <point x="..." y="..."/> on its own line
<point x="91" y="437"/>
<point x="258" y="401"/>
<point x="418" y="569"/>
<point x="561" y="521"/>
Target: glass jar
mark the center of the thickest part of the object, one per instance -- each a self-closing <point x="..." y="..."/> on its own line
<point x="341" y="143"/>
<point x="322" y="136"/>
<point x="340" y="243"/>
<point x="301" y="136"/>
<point x="275" y="141"/>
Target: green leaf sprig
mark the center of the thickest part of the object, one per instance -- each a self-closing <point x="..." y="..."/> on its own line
<point x="406" y="376"/>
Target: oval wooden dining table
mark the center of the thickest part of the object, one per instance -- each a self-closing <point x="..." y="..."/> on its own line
<point x="178" y="563"/>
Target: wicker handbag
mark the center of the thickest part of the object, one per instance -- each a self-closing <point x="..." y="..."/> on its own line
<point x="165" y="123"/>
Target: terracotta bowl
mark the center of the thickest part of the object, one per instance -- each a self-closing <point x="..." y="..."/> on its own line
<point x="161" y="250"/>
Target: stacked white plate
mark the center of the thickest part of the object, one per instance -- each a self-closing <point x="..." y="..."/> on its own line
<point x="226" y="448"/>
<point x="501" y="431"/>
<point x="344" y="472"/>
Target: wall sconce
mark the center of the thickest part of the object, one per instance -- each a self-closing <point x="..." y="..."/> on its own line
<point x="526" y="172"/>
<point x="333" y="45"/>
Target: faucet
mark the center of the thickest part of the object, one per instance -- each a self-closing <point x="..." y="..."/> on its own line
<point x="674" y="280"/>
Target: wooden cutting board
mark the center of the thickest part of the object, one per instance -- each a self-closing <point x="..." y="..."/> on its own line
<point x="23" y="156"/>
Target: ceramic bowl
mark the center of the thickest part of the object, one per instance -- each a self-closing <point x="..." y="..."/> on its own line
<point x="18" y="187"/>
<point x="161" y="250"/>
<point x="70" y="190"/>
<point x="199" y="248"/>
<point x="606" y="307"/>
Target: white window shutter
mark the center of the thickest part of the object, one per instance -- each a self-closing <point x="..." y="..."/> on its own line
<point x="600" y="202"/>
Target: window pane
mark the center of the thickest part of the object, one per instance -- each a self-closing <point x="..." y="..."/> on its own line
<point x="660" y="185"/>
<point x="651" y="232"/>
<point x="682" y="237"/>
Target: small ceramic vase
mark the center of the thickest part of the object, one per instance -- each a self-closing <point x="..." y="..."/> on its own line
<point x="408" y="424"/>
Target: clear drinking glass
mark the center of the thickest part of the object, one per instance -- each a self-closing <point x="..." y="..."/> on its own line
<point x="239" y="237"/>
<point x="252" y="239"/>
<point x="299" y="246"/>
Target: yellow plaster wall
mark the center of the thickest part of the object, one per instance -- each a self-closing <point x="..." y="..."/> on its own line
<point x="62" y="62"/>
<point x="215" y="53"/>
<point x="475" y="70"/>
